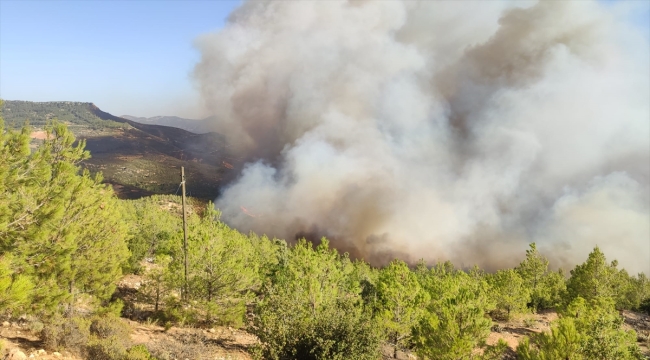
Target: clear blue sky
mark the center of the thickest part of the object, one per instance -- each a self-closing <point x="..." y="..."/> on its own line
<point x="129" y="57"/>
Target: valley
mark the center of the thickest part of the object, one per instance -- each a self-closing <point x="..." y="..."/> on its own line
<point x="136" y="159"/>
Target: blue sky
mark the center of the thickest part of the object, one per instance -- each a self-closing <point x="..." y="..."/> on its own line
<point x="129" y="57"/>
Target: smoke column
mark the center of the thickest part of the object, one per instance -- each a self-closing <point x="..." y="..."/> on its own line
<point x="437" y="130"/>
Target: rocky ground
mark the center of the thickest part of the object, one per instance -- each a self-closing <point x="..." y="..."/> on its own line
<point x="218" y="343"/>
<point x="20" y="343"/>
<point x="21" y="340"/>
<point x="516" y="329"/>
<point x="641" y="324"/>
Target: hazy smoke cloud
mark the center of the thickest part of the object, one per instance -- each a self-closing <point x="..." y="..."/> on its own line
<point x="437" y="130"/>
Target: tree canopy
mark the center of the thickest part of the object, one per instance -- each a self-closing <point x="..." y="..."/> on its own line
<point x="60" y="229"/>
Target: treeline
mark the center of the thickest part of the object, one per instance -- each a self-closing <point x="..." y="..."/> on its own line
<point x="65" y="241"/>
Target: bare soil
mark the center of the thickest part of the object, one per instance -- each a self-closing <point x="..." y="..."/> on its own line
<point x="230" y="343"/>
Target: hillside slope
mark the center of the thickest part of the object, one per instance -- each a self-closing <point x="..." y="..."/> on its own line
<point x="137" y="159"/>
<point x="195" y="126"/>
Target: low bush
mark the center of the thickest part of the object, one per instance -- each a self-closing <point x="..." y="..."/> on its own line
<point x="109" y="338"/>
<point x="71" y="334"/>
<point x="138" y="352"/>
<point x="645" y="306"/>
<point x="171" y="350"/>
<point x="98" y="338"/>
<point x="496" y="351"/>
<point x="530" y="322"/>
<point x="35" y="326"/>
<point x="111" y="348"/>
<point x="110" y="327"/>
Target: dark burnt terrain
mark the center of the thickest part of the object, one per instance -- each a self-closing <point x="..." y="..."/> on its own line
<point x="137" y="159"/>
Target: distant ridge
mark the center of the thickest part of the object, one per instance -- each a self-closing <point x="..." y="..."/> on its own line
<point x="17" y="112"/>
<point x="196" y="126"/>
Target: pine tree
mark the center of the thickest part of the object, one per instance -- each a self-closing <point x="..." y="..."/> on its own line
<point x="156" y="286"/>
<point x="63" y="228"/>
<point x="509" y="291"/>
<point x="401" y="301"/>
<point x="455" y="324"/>
<point x="224" y="271"/>
<point x="152" y="229"/>
<point x="313" y="309"/>
<point x="585" y="331"/>
<point x="594" y="278"/>
<point x="546" y="287"/>
<point x="15" y="290"/>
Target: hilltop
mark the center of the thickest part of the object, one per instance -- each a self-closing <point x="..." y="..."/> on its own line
<point x="137" y="159"/>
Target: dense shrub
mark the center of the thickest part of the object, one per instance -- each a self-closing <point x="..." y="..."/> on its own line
<point x="138" y="352"/>
<point x="71" y="334"/>
<point x="312" y="310"/>
<point x="100" y="337"/>
<point x="455" y="323"/>
<point x="106" y="349"/>
<point x="586" y="330"/>
<point x="107" y="327"/>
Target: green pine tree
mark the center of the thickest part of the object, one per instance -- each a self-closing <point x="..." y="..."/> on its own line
<point x="456" y="322"/>
<point x="62" y="227"/>
<point x="401" y="302"/>
<point x="156" y="286"/>
<point x="509" y="291"/>
<point x="15" y="290"/>
<point x="594" y="278"/>
<point x="546" y="287"/>
<point x="585" y="331"/>
<point x="223" y="268"/>
<point x="313" y="309"/>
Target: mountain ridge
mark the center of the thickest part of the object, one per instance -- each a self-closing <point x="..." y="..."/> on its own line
<point x="137" y="159"/>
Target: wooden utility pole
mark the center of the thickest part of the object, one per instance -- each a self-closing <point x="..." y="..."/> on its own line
<point x="184" y="233"/>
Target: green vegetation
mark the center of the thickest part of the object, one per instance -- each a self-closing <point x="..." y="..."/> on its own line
<point x="587" y="330"/>
<point x="17" y="113"/>
<point x="401" y="303"/>
<point x="137" y="159"/>
<point x="312" y="309"/>
<point x="547" y="288"/>
<point x="455" y="322"/>
<point x="61" y="232"/>
<point x="65" y="241"/>
<point x="509" y="291"/>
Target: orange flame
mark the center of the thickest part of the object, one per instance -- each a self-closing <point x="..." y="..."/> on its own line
<point x="245" y="211"/>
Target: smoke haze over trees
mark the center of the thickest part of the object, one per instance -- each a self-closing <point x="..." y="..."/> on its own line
<point x="66" y="239"/>
<point x="443" y="130"/>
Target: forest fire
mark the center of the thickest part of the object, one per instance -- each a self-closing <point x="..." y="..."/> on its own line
<point x="464" y="146"/>
<point x="245" y="211"/>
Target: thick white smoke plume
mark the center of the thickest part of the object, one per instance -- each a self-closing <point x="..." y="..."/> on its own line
<point x="439" y="130"/>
